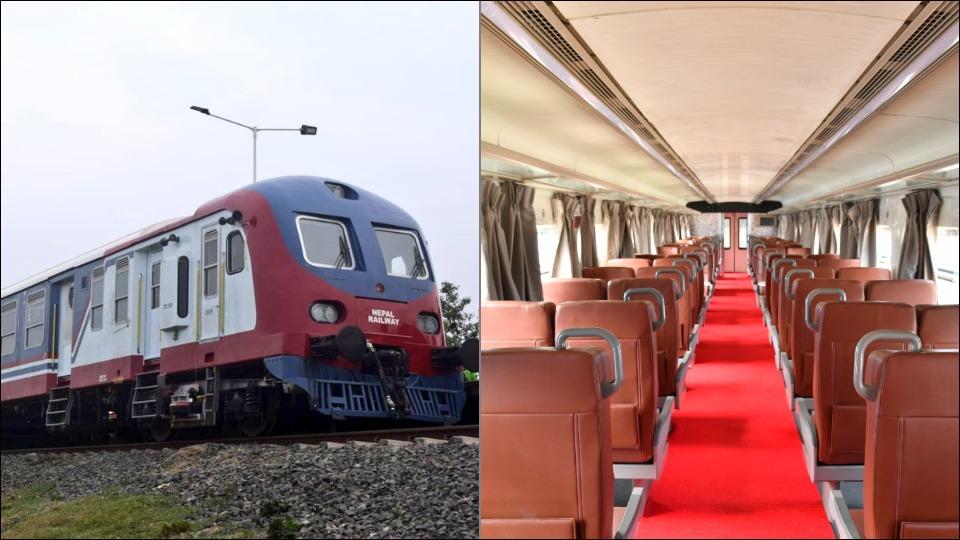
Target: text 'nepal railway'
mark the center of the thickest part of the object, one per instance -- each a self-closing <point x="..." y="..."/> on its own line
<point x="293" y="294"/>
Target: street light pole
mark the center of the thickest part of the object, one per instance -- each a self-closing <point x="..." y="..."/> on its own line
<point x="303" y="129"/>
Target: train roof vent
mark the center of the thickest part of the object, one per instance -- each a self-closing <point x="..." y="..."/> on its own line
<point x="123" y="263"/>
<point x="9" y="306"/>
<point x="36" y="296"/>
<point x="922" y="27"/>
<point x="98" y="272"/>
<point x="554" y="32"/>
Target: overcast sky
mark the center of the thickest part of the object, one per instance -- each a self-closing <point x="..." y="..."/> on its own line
<point x="98" y="140"/>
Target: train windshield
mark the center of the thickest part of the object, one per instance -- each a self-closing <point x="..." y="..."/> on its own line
<point x="402" y="255"/>
<point x="325" y="243"/>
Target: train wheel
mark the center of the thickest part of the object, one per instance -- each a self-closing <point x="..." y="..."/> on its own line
<point x="258" y="426"/>
<point x="157" y="431"/>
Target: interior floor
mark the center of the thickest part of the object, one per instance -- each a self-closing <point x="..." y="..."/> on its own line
<point x="735" y="465"/>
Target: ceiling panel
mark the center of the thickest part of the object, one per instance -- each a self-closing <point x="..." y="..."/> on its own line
<point x="736" y="87"/>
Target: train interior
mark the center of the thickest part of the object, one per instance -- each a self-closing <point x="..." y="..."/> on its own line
<point x="720" y="269"/>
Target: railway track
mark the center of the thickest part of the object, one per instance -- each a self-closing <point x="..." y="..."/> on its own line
<point x="402" y="434"/>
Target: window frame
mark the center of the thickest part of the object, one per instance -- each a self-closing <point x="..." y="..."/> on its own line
<point x="727" y="233"/>
<point x="93" y="297"/>
<point x="15" y="302"/>
<point x="183" y="286"/>
<point x="416" y="239"/>
<point x="42" y="324"/>
<point x="346" y="234"/>
<point x="243" y="253"/>
<point x="155" y="284"/>
<point x="116" y="292"/>
<point x="206" y="237"/>
<point x="742" y="235"/>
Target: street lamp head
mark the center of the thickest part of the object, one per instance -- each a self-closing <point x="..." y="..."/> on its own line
<point x="308" y="130"/>
<point x="200" y="109"/>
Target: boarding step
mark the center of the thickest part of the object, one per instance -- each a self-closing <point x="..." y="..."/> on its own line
<point x="58" y="407"/>
<point x="146" y="396"/>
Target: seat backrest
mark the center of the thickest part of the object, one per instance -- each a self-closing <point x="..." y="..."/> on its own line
<point x="511" y="323"/>
<point x="648" y="256"/>
<point x="824" y="257"/>
<point x="633" y="263"/>
<point x="911" y="477"/>
<point x="769" y="261"/>
<point x="864" y="274"/>
<point x="633" y="408"/>
<point x="606" y="273"/>
<point x="802" y="339"/>
<point x="682" y="298"/>
<point x="908" y="291"/>
<point x="546" y="469"/>
<point x="668" y="249"/>
<point x="939" y="326"/>
<point x="559" y="291"/>
<point x="694" y="283"/>
<point x="777" y="271"/>
<point x="668" y="342"/>
<point x="839" y="411"/>
<point x="794" y="250"/>
<point x="837" y="264"/>
<point x="785" y="300"/>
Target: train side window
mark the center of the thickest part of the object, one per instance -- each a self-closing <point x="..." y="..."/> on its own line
<point x="36" y="311"/>
<point x="235" y="255"/>
<point x="8" y="327"/>
<point x="121" y="291"/>
<point x="726" y="233"/>
<point x="70" y="297"/>
<point x="742" y="233"/>
<point x="155" y="285"/>
<point x="96" y="300"/>
<point x="183" y="286"/>
<point x="210" y="262"/>
<point x="947" y="271"/>
<point x="325" y="243"/>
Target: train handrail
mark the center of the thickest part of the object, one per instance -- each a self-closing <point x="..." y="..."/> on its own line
<point x="866" y="391"/>
<point x="607" y="389"/>
<point x="792" y="292"/>
<point x="683" y="280"/>
<point x="661" y="303"/>
<point x="773" y="269"/>
<point x="813" y="294"/>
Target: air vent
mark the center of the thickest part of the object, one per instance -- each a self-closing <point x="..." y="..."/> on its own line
<point x="98" y="273"/>
<point x="36" y="296"/>
<point x="550" y="34"/>
<point x="9" y="306"/>
<point x="924" y="26"/>
<point x="123" y="264"/>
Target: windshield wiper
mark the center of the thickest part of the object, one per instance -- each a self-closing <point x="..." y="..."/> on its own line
<point x="419" y="267"/>
<point x="343" y="259"/>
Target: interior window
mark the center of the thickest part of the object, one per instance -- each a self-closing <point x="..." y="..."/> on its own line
<point x="235" y="255"/>
<point x="8" y="327"/>
<point x="947" y="250"/>
<point x="325" y="243"/>
<point x="36" y="310"/>
<point x="884" y="247"/>
<point x="402" y="254"/>
<point x="121" y="291"/>
<point x="96" y="300"/>
<point x="726" y="233"/>
<point x="210" y="262"/>
<point x="742" y="233"/>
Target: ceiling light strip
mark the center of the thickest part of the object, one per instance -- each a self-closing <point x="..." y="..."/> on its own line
<point x="944" y="45"/>
<point x="509" y="26"/>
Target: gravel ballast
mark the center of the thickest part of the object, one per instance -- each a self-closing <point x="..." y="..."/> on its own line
<point x="348" y="491"/>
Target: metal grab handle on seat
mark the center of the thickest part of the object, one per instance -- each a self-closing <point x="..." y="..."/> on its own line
<point x="792" y="293"/>
<point x="867" y="392"/>
<point x="767" y="255"/>
<point x="700" y="255"/>
<point x="773" y="269"/>
<point x="606" y="388"/>
<point x="809" y="301"/>
<point x="661" y="303"/>
<point x="683" y="280"/>
<point x="679" y="264"/>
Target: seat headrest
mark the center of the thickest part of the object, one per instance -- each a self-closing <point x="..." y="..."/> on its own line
<point x="629" y="263"/>
<point x="818" y="273"/>
<point x="908" y="291"/>
<point x="625" y="320"/>
<point x="617" y="287"/>
<point x="923" y="383"/>
<point x="648" y="256"/>
<point x="572" y="289"/>
<point x="541" y="381"/>
<point x="606" y="273"/>
<point x="864" y="274"/>
<point x="823" y="256"/>
<point x="839" y="263"/>
<point x="849" y="321"/>
<point x="939" y="326"/>
<point x="514" y="321"/>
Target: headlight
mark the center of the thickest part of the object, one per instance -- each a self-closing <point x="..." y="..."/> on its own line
<point x="324" y="313"/>
<point x="428" y="323"/>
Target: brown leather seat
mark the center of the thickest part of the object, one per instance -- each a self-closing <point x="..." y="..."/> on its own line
<point x="648" y="256"/>
<point x="559" y="291"/>
<point x="668" y="336"/>
<point x="839" y="411"/>
<point x="633" y="263"/>
<point x="633" y="408"/>
<point x="939" y="326"/>
<point x="511" y="323"/>
<point x="682" y="298"/>
<point x="864" y="274"/>
<point x="780" y="269"/>
<point x="794" y="250"/>
<point x="785" y="299"/>
<point x="908" y="291"/>
<point x="546" y="470"/>
<point x="824" y="257"/>
<point x="669" y="249"/>
<point x="837" y="264"/>
<point x="770" y="259"/>
<point x="693" y="294"/>
<point x="802" y="339"/>
<point x="606" y="273"/>
<point x="911" y="479"/>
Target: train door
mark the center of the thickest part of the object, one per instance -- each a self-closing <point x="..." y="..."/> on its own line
<point x="735" y="229"/>
<point x="210" y="284"/>
<point x="151" y="308"/>
<point x="64" y="329"/>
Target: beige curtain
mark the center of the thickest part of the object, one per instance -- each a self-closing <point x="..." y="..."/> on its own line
<point x="807" y="228"/>
<point x="495" y="250"/>
<point x="863" y="216"/>
<point x="849" y="247"/>
<point x="923" y="210"/>
<point x="588" y="233"/>
<point x="615" y="215"/>
<point x="566" y="208"/>
<point x="826" y="241"/>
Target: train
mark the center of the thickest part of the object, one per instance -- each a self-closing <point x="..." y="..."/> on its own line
<point x="292" y="295"/>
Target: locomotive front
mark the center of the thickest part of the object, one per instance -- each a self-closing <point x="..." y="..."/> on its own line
<point x="356" y="277"/>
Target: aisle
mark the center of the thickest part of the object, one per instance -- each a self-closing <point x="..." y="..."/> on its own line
<point x="734" y="466"/>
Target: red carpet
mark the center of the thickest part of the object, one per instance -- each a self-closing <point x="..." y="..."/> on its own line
<point x="734" y="466"/>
